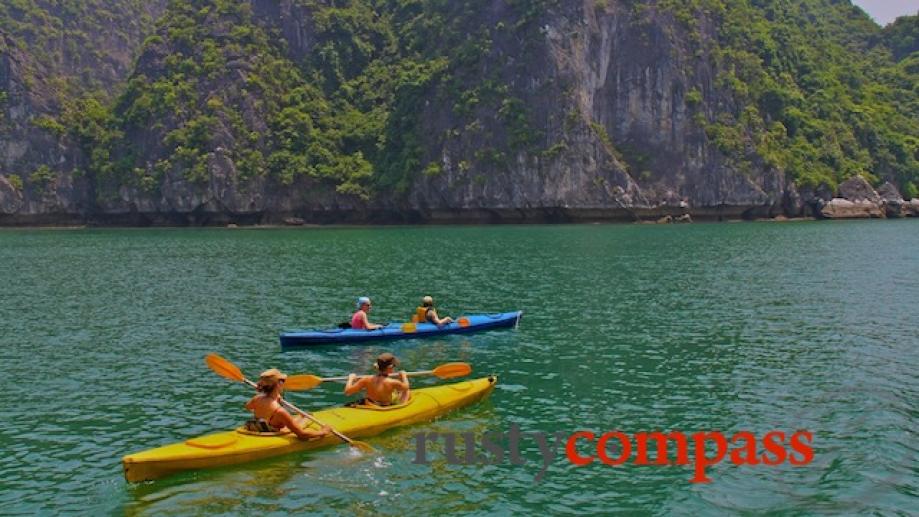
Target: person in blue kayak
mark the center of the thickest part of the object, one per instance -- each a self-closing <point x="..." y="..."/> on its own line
<point x="269" y="415"/>
<point x="382" y="390"/>
<point x="426" y="313"/>
<point x="359" y="320"/>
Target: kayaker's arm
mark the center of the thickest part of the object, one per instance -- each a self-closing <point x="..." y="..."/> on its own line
<point x="367" y="324"/>
<point x="435" y="319"/>
<point x="295" y="428"/>
<point x="354" y="384"/>
<point x="402" y="383"/>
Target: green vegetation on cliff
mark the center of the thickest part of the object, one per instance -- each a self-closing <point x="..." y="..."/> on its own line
<point x="74" y="47"/>
<point x="345" y="112"/>
<point x="221" y="77"/>
<point x="220" y="81"/>
<point x="902" y="36"/>
<point x="343" y="92"/>
<point x="809" y="96"/>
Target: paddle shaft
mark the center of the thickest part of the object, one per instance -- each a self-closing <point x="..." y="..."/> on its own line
<point x="309" y="416"/>
<point x="409" y="374"/>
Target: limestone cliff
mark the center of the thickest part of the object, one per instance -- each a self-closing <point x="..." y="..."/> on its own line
<point x="51" y="53"/>
<point x="487" y="110"/>
<point x="608" y="87"/>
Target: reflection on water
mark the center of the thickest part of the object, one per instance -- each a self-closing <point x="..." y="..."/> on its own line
<point x="638" y="328"/>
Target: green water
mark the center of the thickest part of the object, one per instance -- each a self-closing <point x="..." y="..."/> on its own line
<point x="754" y="326"/>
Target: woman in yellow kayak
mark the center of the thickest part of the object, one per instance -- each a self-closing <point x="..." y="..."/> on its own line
<point x="270" y="416"/>
<point x="381" y="390"/>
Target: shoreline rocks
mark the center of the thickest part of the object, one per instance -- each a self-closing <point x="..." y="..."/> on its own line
<point x="258" y="205"/>
<point x="858" y="200"/>
<point x="839" y="208"/>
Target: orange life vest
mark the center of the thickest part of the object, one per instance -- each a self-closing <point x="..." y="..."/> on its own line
<point x="421" y="314"/>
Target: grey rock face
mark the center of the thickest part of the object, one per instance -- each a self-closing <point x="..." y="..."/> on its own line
<point x="604" y="82"/>
<point x="889" y="193"/>
<point x="859" y="200"/>
<point x="891" y="200"/>
<point x="912" y="208"/>
<point x="31" y="82"/>
<point x="838" y="208"/>
<point x="857" y="188"/>
<point x="10" y="197"/>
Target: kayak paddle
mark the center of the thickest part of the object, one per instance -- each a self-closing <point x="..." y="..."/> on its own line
<point x="445" y="371"/>
<point x="228" y="370"/>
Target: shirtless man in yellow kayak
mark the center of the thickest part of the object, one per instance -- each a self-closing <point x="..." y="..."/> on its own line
<point x="381" y="389"/>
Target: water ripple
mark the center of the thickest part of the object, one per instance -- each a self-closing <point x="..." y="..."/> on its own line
<point x="639" y="328"/>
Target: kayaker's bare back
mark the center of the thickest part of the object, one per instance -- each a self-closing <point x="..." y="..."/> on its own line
<point x="380" y="387"/>
<point x="266" y="408"/>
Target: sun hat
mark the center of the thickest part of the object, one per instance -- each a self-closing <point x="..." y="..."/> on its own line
<point x="271" y="377"/>
<point x="362" y="300"/>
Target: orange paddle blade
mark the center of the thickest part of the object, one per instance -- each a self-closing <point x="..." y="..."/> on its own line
<point x="451" y="370"/>
<point x="224" y="368"/>
<point x="301" y="382"/>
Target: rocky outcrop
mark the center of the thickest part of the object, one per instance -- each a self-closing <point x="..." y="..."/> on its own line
<point x="838" y="208"/>
<point x="23" y="146"/>
<point x="858" y="200"/>
<point x="857" y="188"/>
<point x="892" y="201"/>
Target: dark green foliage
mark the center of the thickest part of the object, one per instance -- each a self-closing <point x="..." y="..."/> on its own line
<point x="808" y="96"/>
<point x="65" y="39"/>
<point x="92" y="126"/>
<point x="910" y="191"/>
<point x="327" y="115"/>
<point x="694" y="98"/>
<point x="902" y="36"/>
<point x="15" y="181"/>
<point x="42" y="177"/>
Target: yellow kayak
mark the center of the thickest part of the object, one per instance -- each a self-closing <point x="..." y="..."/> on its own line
<point x="241" y="445"/>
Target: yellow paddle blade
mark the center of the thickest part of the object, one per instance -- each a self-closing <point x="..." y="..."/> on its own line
<point x="301" y="382"/>
<point x="451" y="370"/>
<point x="224" y="368"/>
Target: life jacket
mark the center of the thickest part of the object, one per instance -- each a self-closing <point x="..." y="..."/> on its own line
<point x="421" y="314"/>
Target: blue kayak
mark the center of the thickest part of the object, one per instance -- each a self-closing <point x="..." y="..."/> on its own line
<point x="462" y="325"/>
